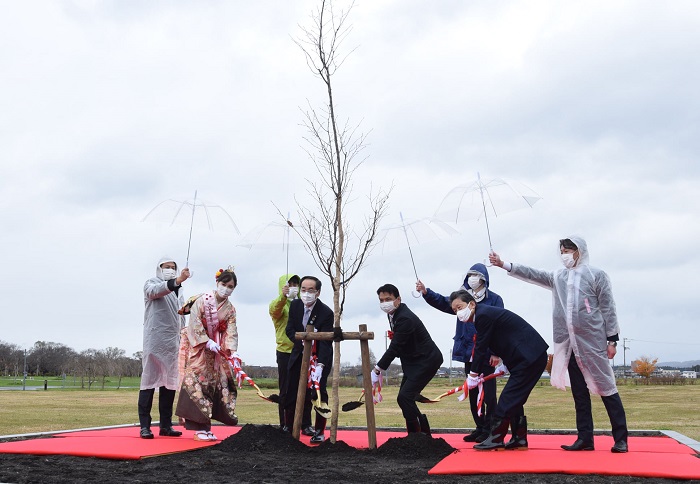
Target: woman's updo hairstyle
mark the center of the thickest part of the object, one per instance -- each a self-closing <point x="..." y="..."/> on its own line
<point x="227" y="275"/>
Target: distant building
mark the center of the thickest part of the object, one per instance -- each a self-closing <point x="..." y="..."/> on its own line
<point x="689" y="374"/>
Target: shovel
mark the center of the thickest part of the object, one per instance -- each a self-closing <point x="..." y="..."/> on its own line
<point x="355" y="403"/>
<point x="461" y="387"/>
<point x="240" y="374"/>
<point x="321" y="407"/>
<point x="422" y="399"/>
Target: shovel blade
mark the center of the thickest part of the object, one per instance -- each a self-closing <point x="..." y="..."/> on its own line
<point x="351" y="406"/>
<point x="321" y="408"/>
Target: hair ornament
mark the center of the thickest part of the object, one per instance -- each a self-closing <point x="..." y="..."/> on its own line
<point x="230" y="269"/>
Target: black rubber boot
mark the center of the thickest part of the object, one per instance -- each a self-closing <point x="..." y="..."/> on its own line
<point x="499" y="430"/>
<point x="412" y="425"/>
<point x="518" y="441"/>
<point x="424" y="425"/>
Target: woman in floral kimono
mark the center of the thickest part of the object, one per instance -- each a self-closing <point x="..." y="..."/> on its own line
<point x="208" y="388"/>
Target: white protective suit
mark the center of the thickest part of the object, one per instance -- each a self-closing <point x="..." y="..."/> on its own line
<point x="583" y="316"/>
<point x="161" y="332"/>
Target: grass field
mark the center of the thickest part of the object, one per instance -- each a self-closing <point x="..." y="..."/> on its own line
<point x="662" y="407"/>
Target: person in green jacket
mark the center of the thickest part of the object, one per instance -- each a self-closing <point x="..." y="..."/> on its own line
<point x="279" y="312"/>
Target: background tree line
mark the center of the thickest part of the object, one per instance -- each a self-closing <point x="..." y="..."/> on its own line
<point x="45" y="358"/>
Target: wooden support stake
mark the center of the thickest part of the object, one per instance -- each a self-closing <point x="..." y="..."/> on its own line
<point x="367" y="385"/>
<point x="363" y="336"/>
<point x="303" y="382"/>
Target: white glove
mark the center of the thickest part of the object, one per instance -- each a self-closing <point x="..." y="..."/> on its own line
<point x="473" y="380"/>
<point x="502" y="368"/>
<point x="376" y="385"/>
<point x="376" y="378"/>
<point x="213" y="346"/>
<point x="318" y="372"/>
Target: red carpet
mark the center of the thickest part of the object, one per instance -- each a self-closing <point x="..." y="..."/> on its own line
<point x="119" y="443"/>
<point x="648" y="456"/>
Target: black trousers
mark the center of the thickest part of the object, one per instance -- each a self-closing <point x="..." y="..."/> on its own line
<point x="290" y="398"/>
<point x="518" y="388"/>
<point x="483" y="422"/>
<point x="282" y="377"/>
<point x="584" y="414"/>
<point x="165" y="407"/>
<point x="416" y="375"/>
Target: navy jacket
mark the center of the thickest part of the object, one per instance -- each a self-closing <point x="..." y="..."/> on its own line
<point x="508" y="335"/>
<point x="464" y="333"/>
<point x="322" y="319"/>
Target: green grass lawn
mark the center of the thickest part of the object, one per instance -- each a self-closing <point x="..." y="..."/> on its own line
<point x="69" y="382"/>
<point x="663" y="407"/>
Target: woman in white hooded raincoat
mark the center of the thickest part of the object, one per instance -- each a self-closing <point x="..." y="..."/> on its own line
<point x="161" y="343"/>
<point x="586" y="332"/>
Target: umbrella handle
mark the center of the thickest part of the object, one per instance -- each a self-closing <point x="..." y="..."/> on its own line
<point x="487" y="262"/>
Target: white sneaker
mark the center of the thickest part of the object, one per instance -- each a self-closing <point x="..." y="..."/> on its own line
<point x="202" y="436"/>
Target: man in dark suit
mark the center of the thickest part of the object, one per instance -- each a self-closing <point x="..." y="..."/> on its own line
<point x="522" y="350"/>
<point x="308" y="309"/>
<point x="419" y="355"/>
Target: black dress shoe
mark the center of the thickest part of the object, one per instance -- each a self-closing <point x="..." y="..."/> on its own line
<point x="317" y="439"/>
<point x="146" y="433"/>
<point x="169" y="432"/>
<point x="620" y="447"/>
<point x="472" y="436"/>
<point x="310" y="431"/>
<point x="579" y="445"/>
<point x="484" y="435"/>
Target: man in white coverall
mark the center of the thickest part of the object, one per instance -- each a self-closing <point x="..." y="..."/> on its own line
<point x="161" y="342"/>
<point x="585" y="337"/>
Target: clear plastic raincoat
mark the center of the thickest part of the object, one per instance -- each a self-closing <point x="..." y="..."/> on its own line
<point x="161" y="332"/>
<point x="583" y="318"/>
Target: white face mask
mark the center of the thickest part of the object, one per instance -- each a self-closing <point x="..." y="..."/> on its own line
<point x="223" y="291"/>
<point x="464" y="314"/>
<point x="293" y="291"/>
<point x="388" y="306"/>
<point x="169" y="274"/>
<point x="474" y="282"/>
<point x="568" y="260"/>
<point x="307" y="298"/>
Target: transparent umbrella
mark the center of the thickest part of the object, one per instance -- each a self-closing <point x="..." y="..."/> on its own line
<point x="412" y="232"/>
<point x="483" y="198"/>
<point x="276" y="235"/>
<point x="191" y="212"/>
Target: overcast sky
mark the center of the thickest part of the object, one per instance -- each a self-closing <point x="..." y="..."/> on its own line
<point x="108" y="108"/>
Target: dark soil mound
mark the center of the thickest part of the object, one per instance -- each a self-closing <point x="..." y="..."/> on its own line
<point x="339" y="447"/>
<point x="261" y="438"/>
<point x="415" y="446"/>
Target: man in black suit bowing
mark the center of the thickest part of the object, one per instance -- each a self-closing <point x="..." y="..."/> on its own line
<point x="308" y="309"/>
<point x="419" y="355"/>
<point x="522" y="350"/>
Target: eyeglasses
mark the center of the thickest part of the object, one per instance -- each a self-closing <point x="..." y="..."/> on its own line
<point x="310" y="291"/>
